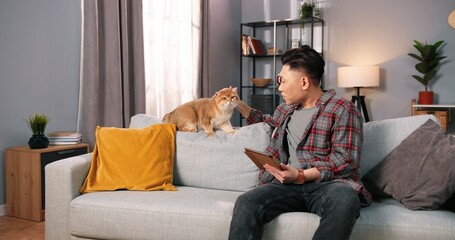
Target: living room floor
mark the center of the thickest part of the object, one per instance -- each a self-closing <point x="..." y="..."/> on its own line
<point x="12" y="228"/>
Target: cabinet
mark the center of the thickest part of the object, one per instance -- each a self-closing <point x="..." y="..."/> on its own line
<point x="441" y="111"/>
<point x="25" y="177"/>
<point x="276" y="37"/>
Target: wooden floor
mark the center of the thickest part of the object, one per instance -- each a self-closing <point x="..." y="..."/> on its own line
<point x="12" y="228"/>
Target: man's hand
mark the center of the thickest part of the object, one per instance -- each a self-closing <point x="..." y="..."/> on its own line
<point x="243" y="108"/>
<point x="290" y="174"/>
<point x="287" y="173"/>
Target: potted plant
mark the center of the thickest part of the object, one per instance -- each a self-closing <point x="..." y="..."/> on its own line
<point x="38" y="124"/>
<point x="428" y="65"/>
<point x="305" y="11"/>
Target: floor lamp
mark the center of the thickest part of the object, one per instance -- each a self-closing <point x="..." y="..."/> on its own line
<point x="357" y="77"/>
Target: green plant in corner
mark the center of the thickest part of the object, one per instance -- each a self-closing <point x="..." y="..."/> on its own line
<point x="428" y="61"/>
<point x="37" y="124"/>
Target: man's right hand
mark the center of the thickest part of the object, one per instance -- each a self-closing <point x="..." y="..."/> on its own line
<point x="243" y="108"/>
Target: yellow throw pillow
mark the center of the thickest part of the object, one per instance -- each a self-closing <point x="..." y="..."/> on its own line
<point x="133" y="159"/>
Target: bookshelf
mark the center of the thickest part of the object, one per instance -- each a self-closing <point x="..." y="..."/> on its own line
<point x="276" y="37"/>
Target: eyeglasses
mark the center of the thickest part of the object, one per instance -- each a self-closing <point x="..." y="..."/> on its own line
<point x="278" y="79"/>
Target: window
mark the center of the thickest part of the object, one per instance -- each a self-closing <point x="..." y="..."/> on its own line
<point x="172" y="37"/>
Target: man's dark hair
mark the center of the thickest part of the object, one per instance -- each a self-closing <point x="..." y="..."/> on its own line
<point x="307" y="59"/>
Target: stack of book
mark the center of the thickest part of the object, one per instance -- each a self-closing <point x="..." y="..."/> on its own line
<point x="64" y="138"/>
<point x="251" y="45"/>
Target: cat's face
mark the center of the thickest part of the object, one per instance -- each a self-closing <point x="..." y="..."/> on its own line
<point x="226" y="97"/>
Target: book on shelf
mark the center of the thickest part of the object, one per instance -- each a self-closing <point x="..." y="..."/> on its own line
<point x="256" y="46"/>
<point x="64" y="134"/>
<point x="64" y="138"/>
<point x="63" y="143"/>
<point x="245" y="46"/>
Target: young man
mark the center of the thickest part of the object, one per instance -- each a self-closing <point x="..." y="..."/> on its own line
<point x="317" y="138"/>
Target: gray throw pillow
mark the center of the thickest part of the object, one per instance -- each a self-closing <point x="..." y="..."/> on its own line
<point x="420" y="172"/>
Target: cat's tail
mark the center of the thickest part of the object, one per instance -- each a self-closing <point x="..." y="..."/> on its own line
<point x="166" y="118"/>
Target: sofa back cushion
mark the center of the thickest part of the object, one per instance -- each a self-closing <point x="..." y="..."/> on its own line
<point x="381" y="137"/>
<point x="216" y="162"/>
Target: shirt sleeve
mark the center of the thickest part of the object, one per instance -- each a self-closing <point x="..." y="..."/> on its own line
<point x="272" y="120"/>
<point x="346" y="141"/>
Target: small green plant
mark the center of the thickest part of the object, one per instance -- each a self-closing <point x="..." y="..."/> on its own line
<point x="37" y="123"/>
<point x="428" y="61"/>
<point x="306" y="10"/>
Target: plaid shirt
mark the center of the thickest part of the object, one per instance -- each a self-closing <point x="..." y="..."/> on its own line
<point x="331" y="142"/>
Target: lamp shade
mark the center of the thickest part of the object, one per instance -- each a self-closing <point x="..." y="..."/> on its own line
<point x="451" y="19"/>
<point x="358" y="76"/>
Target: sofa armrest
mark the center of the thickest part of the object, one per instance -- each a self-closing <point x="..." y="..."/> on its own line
<point x="63" y="180"/>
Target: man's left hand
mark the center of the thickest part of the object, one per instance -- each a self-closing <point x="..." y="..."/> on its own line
<point x="287" y="173"/>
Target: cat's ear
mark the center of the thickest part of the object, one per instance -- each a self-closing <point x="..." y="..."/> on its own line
<point x="233" y="89"/>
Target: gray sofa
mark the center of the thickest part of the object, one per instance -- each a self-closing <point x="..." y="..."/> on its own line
<point x="210" y="173"/>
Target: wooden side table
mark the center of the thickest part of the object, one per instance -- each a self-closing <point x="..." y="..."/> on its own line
<point x="25" y="177"/>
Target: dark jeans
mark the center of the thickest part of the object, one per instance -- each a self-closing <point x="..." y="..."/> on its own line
<point x="336" y="203"/>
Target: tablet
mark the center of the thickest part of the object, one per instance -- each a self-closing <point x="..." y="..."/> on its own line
<point x="261" y="158"/>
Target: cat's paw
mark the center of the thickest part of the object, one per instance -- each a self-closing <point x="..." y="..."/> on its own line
<point x="209" y="132"/>
<point x="186" y="129"/>
<point x="230" y="130"/>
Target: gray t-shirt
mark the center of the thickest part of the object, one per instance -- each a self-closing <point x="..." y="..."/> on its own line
<point x="295" y="129"/>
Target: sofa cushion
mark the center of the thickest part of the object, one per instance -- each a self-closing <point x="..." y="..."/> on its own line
<point x="219" y="162"/>
<point x="216" y="162"/>
<point x="143" y="120"/>
<point x="381" y="137"/>
<point x="133" y="159"/>
<point x="196" y="213"/>
<point x="386" y="218"/>
<point x="420" y="172"/>
<point x="189" y="213"/>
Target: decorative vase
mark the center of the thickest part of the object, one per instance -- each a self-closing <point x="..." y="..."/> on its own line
<point x="38" y="141"/>
<point x="426" y="97"/>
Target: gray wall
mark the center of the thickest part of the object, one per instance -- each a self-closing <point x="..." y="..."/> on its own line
<point x="370" y="32"/>
<point x="39" y="69"/>
<point x="39" y="64"/>
<point x="224" y="42"/>
<point x="224" y="68"/>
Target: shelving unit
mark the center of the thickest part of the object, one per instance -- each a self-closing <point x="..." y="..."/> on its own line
<point x="279" y="35"/>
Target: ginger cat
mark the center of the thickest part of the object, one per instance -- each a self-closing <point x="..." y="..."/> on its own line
<point x="205" y="113"/>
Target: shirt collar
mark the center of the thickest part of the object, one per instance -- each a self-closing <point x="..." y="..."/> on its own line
<point x="328" y="94"/>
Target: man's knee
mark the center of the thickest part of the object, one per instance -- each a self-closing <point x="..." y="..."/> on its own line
<point x="343" y="198"/>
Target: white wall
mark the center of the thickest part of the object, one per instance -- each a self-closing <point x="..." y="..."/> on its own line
<point x="39" y="69"/>
<point x="371" y="32"/>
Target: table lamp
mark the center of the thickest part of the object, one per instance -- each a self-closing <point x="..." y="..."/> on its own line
<point x="451" y="19"/>
<point x="357" y="77"/>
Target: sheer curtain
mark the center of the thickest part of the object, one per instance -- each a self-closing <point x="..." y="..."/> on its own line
<point x="172" y="53"/>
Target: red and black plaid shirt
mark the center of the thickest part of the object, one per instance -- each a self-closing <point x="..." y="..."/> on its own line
<point x="331" y="142"/>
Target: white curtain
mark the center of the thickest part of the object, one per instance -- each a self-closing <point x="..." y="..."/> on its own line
<point x="172" y="53"/>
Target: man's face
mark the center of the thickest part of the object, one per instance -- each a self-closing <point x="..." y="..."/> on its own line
<point x="291" y="85"/>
